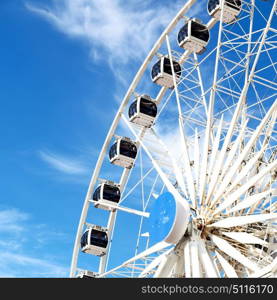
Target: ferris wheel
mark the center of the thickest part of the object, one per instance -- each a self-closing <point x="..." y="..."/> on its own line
<point x="185" y="183"/>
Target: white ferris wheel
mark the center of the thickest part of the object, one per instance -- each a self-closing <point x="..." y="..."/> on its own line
<point x="185" y="183"/>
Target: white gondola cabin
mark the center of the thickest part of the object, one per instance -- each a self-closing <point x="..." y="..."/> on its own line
<point x="162" y="72"/>
<point x="106" y="193"/>
<point x="86" y="274"/>
<point x="123" y="153"/>
<point x="231" y="9"/>
<point x="143" y="111"/>
<point x="193" y="36"/>
<point x="95" y="241"/>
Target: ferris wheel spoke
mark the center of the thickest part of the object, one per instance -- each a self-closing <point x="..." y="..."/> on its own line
<point x="225" y="247"/>
<point x="222" y="154"/>
<point x="250" y="201"/>
<point x="154" y="249"/>
<point x="204" y="100"/>
<point x="166" y="181"/>
<point x="243" y="154"/>
<point x="193" y="115"/>
<point x="259" y="104"/>
<point x="270" y="129"/>
<point x="125" y="209"/>
<point x="262" y="41"/>
<point x="241" y="169"/>
<point x="191" y="187"/>
<point x="150" y="171"/>
<point x="245" y="187"/>
<point x="178" y="172"/>
<point x="229" y="184"/>
<point x="196" y="255"/>
<point x="264" y="82"/>
<point x="246" y="169"/>
<point x="238" y="68"/>
<point x="204" y="164"/>
<point x="260" y="13"/>
<point x="154" y="263"/>
<point x="268" y="271"/>
<point x="215" y="147"/>
<point x="187" y="259"/>
<point x="251" y="75"/>
<point x="270" y="201"/>
<point x="230" y="222"/>
<point x="195" y="262"/>
<point x="270" y="55"/>
<point x="196" y="159"/>
<point x="166" y="266"/>
<point x="179" y="270"/>
<point x="207" y="263"/>
<point x="234" y="148"/>
<point x="151" y="192"/>
<point x="245" y="238"/>
<point x="145" y="206"/>
<point x="227" y="268"/>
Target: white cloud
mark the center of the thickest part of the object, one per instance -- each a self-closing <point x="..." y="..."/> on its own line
<point x="63" y="164"/>
<point x="18" y="244"/>
<point x="11" y="220"/>
<point x="115" y="30"/>
<point x="20" y="265"/>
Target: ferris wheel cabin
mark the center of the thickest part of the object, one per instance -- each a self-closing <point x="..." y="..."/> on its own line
<point x="106" y="193"/>
<point x="162" y="72"/>
<point x="194" y="36"/>
<point x="86" y="274"/>
<point x="94" y="241"/>
<point x="123" y="153"/>
<point x="231" y="9"/>
<point x="143" y="111"/>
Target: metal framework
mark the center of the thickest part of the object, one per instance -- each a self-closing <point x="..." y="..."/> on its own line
<point x="213" y="146"/>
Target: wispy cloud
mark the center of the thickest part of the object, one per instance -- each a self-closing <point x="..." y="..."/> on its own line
<point x="18" y="244"/>
<point x="123" y="30"/>
<point x="20" y="265"/>
<point x="66" y="165"/>
<point x="119" y="33"/>
<point x="11" y="220"/>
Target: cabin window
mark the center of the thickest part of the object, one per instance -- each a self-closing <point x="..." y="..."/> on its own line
<point x="199" y="31"/>
<point x="113" y="151"/>
<point x="183" y="33"/>
<point x="167" y="67"/>
<point x="132" y="109"/>
<point x="96" y="194"/>
<point x="84" y="239"/>
<point x="111" y="193"/>
<point x="236" y="4"/>
<point x="148" y="108"/>
<point x="98" y="238"/>
<point x="156" y="70"/>
<point x="128" y="149"/>
<point x="212" y="5"/>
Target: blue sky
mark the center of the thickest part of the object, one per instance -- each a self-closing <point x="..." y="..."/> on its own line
<point x="65" y="66"/>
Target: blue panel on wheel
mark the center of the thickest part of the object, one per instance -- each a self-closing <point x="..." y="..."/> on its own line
<point x="162" y="216"/>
